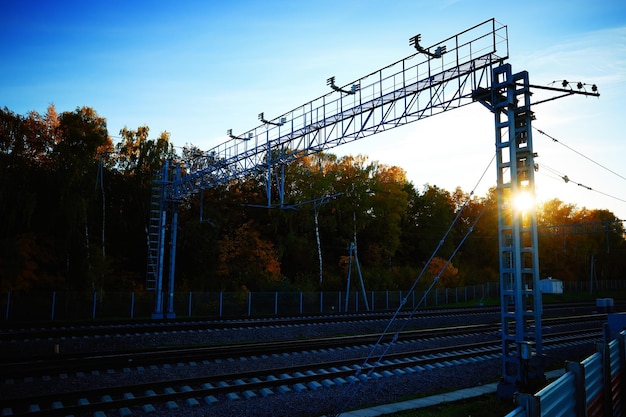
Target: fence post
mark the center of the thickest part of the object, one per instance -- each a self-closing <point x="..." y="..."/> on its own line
<point x="95" y="300"/>
<point x="300" y="302"/>
<point x="579" y="377"/>
<point x="530" y="404"/>
<point x="132" y="304"/>
<point x="321" y="301"/>
<point x="276" y="303"/>
<point x="6" y="313"/>
<point x="621" y="338"/>
<point x="339" y="300"/>
<point x="373" y="308"/>
<point x="605" y="351"/>
<point x="190" y="298"/>
<point x="356" y="301"/>
<point x="54" y="301"/>
<point x="249" y="303"/>
<point x="387" y="299"/>
<point x="221" y="301"/>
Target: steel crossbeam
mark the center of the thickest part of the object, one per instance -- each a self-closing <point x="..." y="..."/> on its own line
<point x="408" y="90"/>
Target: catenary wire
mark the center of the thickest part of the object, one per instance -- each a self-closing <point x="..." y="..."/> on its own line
<point x="579" y="153"/>
<point x="567" y="180"/>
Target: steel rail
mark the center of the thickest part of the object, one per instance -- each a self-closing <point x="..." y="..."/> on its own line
<point x="117" y="360"/>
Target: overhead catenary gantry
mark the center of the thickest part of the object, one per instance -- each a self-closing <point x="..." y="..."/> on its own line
<point x="457" y="71"/>
<point x="423" y="84"/>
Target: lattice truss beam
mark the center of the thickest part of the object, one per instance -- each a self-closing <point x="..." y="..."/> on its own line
<point x="416" y="87"/>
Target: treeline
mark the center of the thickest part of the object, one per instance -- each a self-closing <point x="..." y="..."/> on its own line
<point x="74" y="214"/>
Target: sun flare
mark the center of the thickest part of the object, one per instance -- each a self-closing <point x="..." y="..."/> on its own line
<point x="524" y="201"/>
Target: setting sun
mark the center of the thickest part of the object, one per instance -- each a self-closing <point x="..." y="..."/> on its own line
<point x="523" y="201"/>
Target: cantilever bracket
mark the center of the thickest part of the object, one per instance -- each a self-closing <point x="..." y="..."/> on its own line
<point x="282" y="121"/>
<point x="565" y="91"/>
<point x="331" y="82"/>
<point x="415" y="42"/>
<point x="229" y="132"/>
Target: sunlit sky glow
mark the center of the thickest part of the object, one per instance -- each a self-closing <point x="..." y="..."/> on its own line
<point x="198" y="68"/>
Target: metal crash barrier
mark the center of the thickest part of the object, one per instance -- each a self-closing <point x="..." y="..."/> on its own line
<point x="592" y="388"/>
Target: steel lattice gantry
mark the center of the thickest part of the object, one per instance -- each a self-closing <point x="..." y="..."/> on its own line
<point x="426" y="83"/>
<point x="408" y="90"/>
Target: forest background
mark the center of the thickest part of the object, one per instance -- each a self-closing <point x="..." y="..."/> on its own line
<point x="74" y="214"/>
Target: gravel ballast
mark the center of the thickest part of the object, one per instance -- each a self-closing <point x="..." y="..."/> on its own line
<point x="309" y="402"/>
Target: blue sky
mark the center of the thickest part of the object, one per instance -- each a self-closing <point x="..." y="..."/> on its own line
<point x="198" y="68"/>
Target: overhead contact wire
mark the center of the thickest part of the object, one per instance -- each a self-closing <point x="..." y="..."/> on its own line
<point x="579" y="153"/>
<point x="567" y="180"/>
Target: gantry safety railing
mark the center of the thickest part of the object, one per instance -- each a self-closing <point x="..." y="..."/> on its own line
<point x="423" y="84"/>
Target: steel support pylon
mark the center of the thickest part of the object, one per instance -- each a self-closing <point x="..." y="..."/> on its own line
<point x="520" y="295"/>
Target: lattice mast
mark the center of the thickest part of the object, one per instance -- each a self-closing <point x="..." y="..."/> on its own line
<point x="509" y="98"/>
<point x="520" y="295"/>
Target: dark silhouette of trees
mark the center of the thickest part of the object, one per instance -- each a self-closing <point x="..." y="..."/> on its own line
<point x="580" y="244"/>
<point x="48" y="162"/>
<point x="74" y="211"/>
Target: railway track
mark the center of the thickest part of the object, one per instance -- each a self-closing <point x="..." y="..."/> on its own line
<point x="49" y="330"/>
<point x="87" y="362"/>
<point x="12" y="332"/>
<point x="193" y="392"/>
<point x="177" y="378"/>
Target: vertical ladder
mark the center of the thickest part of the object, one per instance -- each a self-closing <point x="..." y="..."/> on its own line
<point x="156" y="231"/>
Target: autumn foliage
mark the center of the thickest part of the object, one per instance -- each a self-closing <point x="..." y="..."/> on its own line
<point x="74" y="210"/>
<point x="444" y="271"/>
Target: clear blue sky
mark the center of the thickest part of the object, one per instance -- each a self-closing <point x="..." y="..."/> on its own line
<point x="198" y="68"/>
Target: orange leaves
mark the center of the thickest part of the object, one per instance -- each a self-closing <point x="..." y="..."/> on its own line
<point x="246" y="259"/>
<point x="344" y="263"/>
<point x="23" y="267"/>
<point x="448" y="277"/>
